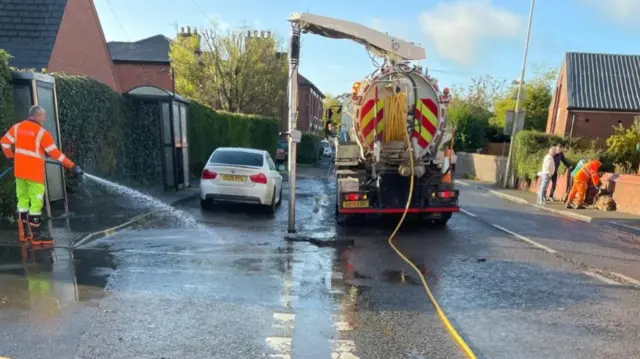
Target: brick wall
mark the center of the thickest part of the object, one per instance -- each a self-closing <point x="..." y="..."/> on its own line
<point x="80" y="46"/>
<point x="485" y="168"/>
<point x="304" y="109"/>
<point x="132" y="75"/>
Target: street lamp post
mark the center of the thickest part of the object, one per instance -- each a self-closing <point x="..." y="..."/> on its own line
<point x="508" y="173"/>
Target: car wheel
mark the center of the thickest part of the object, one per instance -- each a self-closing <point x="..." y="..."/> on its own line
<point x="206" y="204"/>
<point x="280" y="197"/>
<point x="271" y="208"/>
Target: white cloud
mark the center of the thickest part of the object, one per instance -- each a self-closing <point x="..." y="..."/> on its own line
<point x="621" y="10"/>
<point x="459" y="30"/>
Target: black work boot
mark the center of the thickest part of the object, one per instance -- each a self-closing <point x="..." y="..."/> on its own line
<point x="40" y="236"/>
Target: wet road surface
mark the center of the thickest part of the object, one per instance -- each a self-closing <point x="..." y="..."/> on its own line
<point x="224" y="284"/>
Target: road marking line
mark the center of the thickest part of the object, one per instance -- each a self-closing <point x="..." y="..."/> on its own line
<point x="626" y="225"/>
<point x="281" y="346"/>
<point x="532" y="242"/>
<point x="467" y="212"/>
<point x="343" y="349"/>
<point x="601" y="278"/>
<point x="337" y="276"/>
<point x="627" y="278"/>
<point x="284" y="322"/>
<point x="155" y="238"/>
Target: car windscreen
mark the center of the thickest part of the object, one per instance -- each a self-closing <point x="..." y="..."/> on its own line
<point x="237" y="158"/>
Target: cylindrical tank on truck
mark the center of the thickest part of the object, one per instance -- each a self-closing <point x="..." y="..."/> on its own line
<point x="372" y="153"/>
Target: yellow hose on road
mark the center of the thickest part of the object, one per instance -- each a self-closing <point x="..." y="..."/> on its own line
<point x="443" y="318"/>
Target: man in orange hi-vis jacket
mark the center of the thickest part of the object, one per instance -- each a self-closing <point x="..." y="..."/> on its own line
<point x="32" y="142"/>
<point x="581" y="183"/>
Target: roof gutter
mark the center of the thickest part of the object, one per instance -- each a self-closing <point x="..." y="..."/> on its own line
<point x="596" y="110"/>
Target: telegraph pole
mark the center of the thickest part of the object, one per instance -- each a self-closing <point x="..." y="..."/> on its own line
<point x="508" y="175"/>
<point x="293" y="135"/>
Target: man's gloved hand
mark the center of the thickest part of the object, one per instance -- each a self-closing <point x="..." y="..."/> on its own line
<point x="77" y="170"/>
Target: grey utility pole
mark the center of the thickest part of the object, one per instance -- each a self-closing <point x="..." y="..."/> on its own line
<point x="508" y="173"/>
<point x="293" y="135"/>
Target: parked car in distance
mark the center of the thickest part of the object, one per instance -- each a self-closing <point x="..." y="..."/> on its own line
<point x="328" y="152"/>
<point x="282" y="151"/>
<point x="241" y="175"/>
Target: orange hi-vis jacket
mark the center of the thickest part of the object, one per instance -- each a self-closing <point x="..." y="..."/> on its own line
<point x="31" y="142"/>
<point x="589" y="171"/>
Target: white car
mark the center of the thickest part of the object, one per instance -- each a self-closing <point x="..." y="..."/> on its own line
<point x="241" y="175"/>
<point x="327" y="151"/>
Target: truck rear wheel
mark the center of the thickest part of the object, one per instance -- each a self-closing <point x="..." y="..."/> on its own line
<point x="441" y="222"/>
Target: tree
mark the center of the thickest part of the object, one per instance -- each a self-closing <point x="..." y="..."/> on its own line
<point x="471" y="122"/>
<point x="231" y="71"/>
<point x="536" y="103"/>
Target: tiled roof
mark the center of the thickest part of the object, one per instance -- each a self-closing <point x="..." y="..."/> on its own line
<point x="28" y="30"/>
<point x="605" y="82"/>
<point x="152" y="49"/>
<point x="303" y="81"/>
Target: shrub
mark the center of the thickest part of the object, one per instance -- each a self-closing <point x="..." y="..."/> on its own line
<point x="622" y="146"/>
<point x="531" y="147"/>
<point x="7" y="187"/>
<point x="309" y="148"/>
<point x="209" y="129"/>
<point x="92" y="125"/>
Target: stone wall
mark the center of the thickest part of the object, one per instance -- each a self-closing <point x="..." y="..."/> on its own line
<point x="486" y="168"/>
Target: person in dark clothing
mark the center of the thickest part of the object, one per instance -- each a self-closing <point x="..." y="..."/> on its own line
<point x="557" y="158"/>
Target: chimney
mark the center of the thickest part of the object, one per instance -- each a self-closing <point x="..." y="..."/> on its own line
<point x="182" y="30"/>
<point x="248" y="33"/>
<point x="188" y="30"/>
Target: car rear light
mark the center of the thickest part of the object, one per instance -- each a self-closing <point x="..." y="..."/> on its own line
<point x="206" y="174"/>
<point x="447" y="194"/>
<point x="354" y="196"/>
<point x="259" y="178"/>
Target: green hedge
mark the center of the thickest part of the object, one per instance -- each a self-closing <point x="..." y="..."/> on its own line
<point x="531" y="147"/>
<point x="209" y="129"/>
<point x="309" y="148"/>
<point x="92" y="125"/>
<point x="7" y="187"/>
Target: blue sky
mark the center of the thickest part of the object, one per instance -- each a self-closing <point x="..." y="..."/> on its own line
<point x="462" y="38"/>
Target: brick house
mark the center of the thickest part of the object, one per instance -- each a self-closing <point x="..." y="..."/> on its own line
<point x="594" y="92"/>
<point x="56" y="35"/>
<point x="144" y="62"/>
<point x="309" y="107"/>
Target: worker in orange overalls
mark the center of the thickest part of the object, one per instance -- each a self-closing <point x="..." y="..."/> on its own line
<point x="581" y="183"/>
<point x="31" y="142"/>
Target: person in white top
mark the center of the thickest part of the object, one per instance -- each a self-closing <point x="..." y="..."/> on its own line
<point x="548" y="168"/>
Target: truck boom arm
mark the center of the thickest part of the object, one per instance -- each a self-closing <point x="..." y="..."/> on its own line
<point x="383" y="44"/>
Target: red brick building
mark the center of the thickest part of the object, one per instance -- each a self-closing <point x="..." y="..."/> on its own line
<point x="595" y="92"/>
<point x="144" y="62"/>
<point x="57" y="35"/>
<point x="309" y="107"/>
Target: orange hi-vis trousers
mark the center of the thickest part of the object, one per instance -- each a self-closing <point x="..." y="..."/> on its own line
<point x="578" y="193"/>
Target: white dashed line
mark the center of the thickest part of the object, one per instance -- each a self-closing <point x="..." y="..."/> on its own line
<point x="523" y="238"/>
<point x="601" y="278"/>
<point x="467" y="213"/>
<point x="627" y="278"/>
<point x="343" y="349"/>
<point x="280" y="346"/>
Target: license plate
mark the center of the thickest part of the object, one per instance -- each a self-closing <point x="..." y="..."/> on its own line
<point x="355" y="204"/>
<point x="436" y="215"/>
<point x="233" y="178"/>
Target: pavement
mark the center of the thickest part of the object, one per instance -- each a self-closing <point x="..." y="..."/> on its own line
<point x="515" y="281"/>
<point x="620" y="220"/>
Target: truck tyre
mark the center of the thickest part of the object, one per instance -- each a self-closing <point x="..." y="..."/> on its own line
<point x="206" y="204"/>
<point x="441" y="222"/>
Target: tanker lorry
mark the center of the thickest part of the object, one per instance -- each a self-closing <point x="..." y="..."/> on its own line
<point x="372" y="164"/>
<point x="394" y="138"/>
